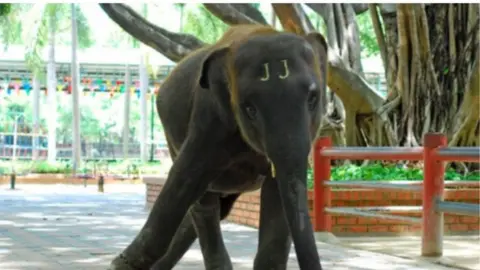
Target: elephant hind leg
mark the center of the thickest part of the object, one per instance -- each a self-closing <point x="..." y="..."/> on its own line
<point x="186" y="235"/>
<point x="206" y="219"/>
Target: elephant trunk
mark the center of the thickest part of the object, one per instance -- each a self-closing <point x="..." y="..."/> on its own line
<point x="288" y="149"/>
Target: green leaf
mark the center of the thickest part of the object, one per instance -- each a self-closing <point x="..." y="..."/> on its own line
<point x="5" y="9"/>
<point x="84" y="32"/>
<point x="203" y="24"/>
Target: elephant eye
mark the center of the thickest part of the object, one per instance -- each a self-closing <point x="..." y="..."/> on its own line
<point x="312" y="100"/>
<point x="251" y="111"/>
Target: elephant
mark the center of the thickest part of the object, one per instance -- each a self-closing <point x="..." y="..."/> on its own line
<point x="238" y="115"/>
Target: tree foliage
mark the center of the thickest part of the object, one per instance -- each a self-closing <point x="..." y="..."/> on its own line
<point x="28" y="24"/>
<point x="203" y="24"/>
<point x="368" y="118"/>
<point x="5" y="9"/>
<point x="10" y="27"/>
<point x="368" y="42"/>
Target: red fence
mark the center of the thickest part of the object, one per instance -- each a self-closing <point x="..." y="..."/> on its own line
<point x="434" y="154"/>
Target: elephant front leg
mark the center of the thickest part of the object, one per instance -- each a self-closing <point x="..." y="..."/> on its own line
<point x="187" y="181"/>
<point x="206" y="218"/>
<point x="184" y="238"/>
<point x="186" y="235"/>
<point x="274" y="236"/>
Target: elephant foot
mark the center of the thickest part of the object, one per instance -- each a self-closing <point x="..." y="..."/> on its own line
<point x="122" y="263"/>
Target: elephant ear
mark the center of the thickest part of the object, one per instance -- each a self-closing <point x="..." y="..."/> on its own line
<point x="213" y="77"/>
<point x="212" y="69"/>
<point x="320" y="48"/>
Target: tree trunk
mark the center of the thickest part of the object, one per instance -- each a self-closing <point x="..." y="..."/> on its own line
<point x="430" y="52"/>
<point x="75" y="82"/>
<point x="363" y="126"/>
<point x="273" y="20"/>
<point x="36" y="115"/>
<point x="173" y="45"/>
<point x="231" y="14"/>
<point x="370" y="119"/>
<point x="126" y="113"/>
<point x="52" y="91"/>
<point x="467" y="125"/>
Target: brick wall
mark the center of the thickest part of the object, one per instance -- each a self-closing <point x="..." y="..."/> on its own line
<point x="48" y="178"/>
<point x="153" y="187"/>
<point x="246" y="210"/>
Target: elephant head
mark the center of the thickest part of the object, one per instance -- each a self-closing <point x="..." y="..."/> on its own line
<point x="271" y="87"/>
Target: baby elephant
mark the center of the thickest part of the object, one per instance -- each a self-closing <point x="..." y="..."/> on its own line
<point x="238" y="115"/>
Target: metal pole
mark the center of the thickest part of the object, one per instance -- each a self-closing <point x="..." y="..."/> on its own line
<point x="433" y="185"/>
<point x="143" y="109"/>
<point x="75" y="95"/>
<point x="322" y="192"/>
<point x="126" y="113"/>
<point x="52" y="91"/>
<point x="36" y="116"/>
<point x="13" y="175"/>
<point x="101" y="182"/>
<point x="15" y="130"/>
<point x="152" y="125"/>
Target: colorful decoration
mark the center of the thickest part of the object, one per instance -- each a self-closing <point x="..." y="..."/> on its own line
<point x="64" y="84"/>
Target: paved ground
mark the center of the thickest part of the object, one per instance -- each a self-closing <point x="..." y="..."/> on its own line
<point x="71" y="227"/>
<point x="462" y="251"/>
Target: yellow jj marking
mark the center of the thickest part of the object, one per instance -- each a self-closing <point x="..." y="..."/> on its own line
<point x="287" y="72"/>
<point x="267" y="73"/>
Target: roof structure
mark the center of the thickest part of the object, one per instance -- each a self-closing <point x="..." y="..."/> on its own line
<point x="106" y="64"/>
<point x="100" y="56"/>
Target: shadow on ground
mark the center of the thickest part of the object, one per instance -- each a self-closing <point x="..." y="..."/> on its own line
<point x="72" y="227"/>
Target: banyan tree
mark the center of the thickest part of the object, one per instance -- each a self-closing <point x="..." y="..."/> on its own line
<point x="429" y="53"/>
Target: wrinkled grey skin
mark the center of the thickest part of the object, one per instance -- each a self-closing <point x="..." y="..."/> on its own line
<point x="222" y="149"/>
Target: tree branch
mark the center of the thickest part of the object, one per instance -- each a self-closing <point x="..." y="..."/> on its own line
<point x="341" y="79"/>
<point x="350" y="87"/>
<point x="332" y="28"/>
<point x="293" y="18"/>
<point x="353" y="39"/>
<point x="359" y="8"/>
<point x="340" y="23"/>
<point x="174" y="46"/>
<point x="250" y="11"/>
<point x="322" y="9"/>
<point x="229" y="14"/>
<point x="379" y="34"/>
<point x="425" y="42"/>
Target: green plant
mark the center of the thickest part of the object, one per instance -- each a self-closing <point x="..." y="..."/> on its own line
<point x="46" y="167"/>
<point x="380" y="172"/>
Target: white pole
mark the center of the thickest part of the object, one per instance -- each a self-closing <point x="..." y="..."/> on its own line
<point x="75" y="96"/>
<point x="14" y="154"/>
<point x="36" y="116"/>
<point x="126" y="113"/>
<point x="143" y="108"/>
<point x="52" y="92"/>
<point x="143" y="74"/>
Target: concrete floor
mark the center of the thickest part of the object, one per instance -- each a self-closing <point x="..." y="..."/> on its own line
<point x="459" y="251"/>
<point x="72" y="227"/>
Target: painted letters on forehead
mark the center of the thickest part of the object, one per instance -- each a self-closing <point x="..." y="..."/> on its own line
<point x="283" y="76"/>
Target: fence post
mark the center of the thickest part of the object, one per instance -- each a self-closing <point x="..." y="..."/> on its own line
<point x="433" y="184"/>
<point x="322" y="195"/>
